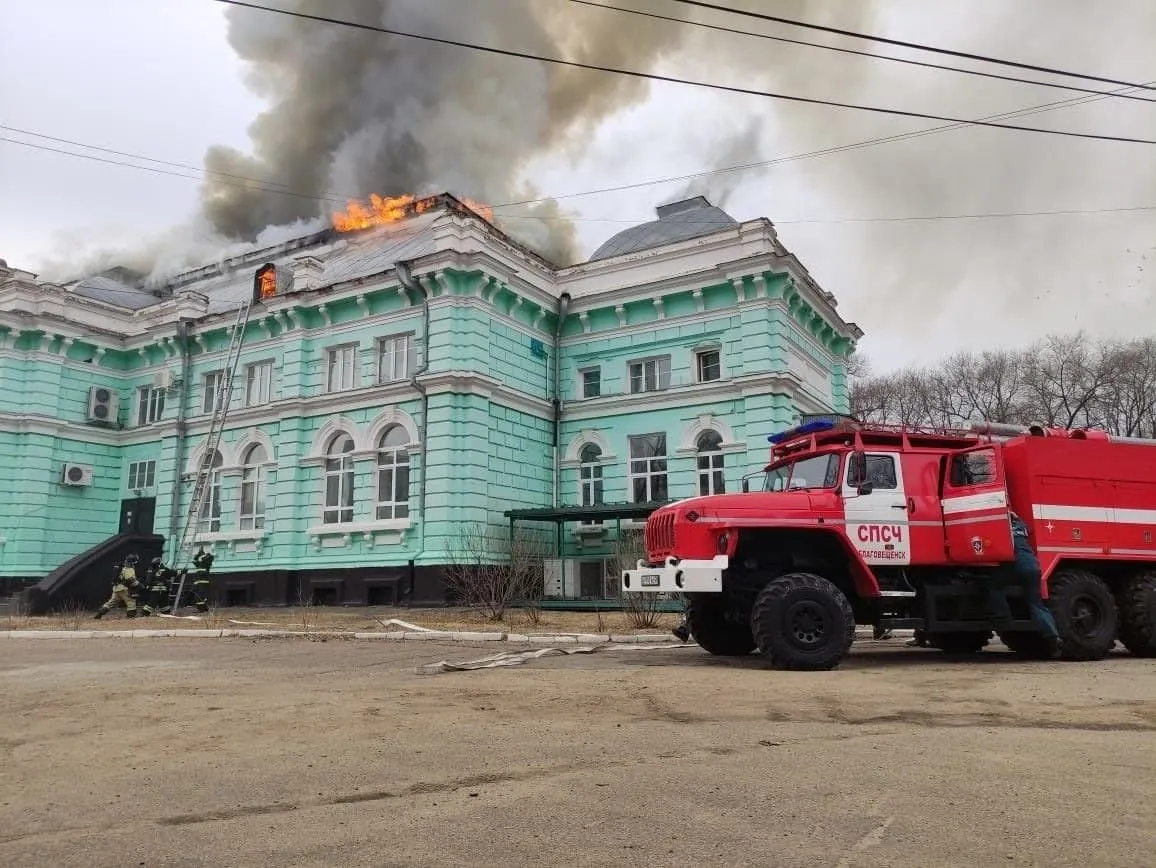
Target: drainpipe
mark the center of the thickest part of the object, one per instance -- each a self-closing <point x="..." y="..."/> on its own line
<point x="563" y="309"/>
<point x="181" y="428"/>
<point x="412" y="285"/>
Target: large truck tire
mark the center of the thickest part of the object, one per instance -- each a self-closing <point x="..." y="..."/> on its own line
<point x="1137" y="604"/>
<point x="716" y="629"/>
<point x="802" y="621"/>
<point x="970" y="642"/>
<point x="1085" y="613"/>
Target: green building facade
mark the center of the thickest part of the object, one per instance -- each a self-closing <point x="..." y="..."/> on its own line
<point x="370" y="421"/>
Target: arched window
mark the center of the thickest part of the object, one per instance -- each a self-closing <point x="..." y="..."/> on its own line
<point x="590" y="476"/>
<point x="210" y="518"/>
<point x="710" y="463"/>
<point x="393" y="474"/>
<point x="252" y="510"/>
<point x="339" y="481"/>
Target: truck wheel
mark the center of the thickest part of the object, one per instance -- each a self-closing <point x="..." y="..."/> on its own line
<point x="971" y="642"/>
<point x="1032" y="646"/>
<point x="1085" y="614"/>
<point x="1137" y="602"/>
<point x="717" y="629"/>
<point x="802" y="621"/>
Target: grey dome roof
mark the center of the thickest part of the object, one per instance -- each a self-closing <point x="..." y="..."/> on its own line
<point x="678" y="221"/>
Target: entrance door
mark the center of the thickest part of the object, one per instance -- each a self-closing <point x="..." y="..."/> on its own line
<point x="878" y="523"/>
<point x="137" y="515"/>
<point x="977" y="525"/>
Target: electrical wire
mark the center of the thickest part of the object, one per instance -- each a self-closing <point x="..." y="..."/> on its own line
<point x="842" y="50"/>
<point x="762" y="16"/>
<point x="505" y="52"/>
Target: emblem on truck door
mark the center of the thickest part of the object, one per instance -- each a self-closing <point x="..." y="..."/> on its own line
<point x="977" y="545"/>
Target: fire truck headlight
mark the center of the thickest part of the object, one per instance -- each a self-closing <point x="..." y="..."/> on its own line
<point x="724" y="542"/>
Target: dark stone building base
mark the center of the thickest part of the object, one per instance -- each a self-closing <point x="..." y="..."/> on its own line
<point x="356" y="586"/>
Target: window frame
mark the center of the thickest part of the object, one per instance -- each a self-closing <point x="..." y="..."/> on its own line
<point x="393" y="508"/>
<point x="150" y="405"/>
<point x="583" y="383"/>
<point x="649" y="474"/>
<point x="207" y="522"/>
<point x="714" y="470"/>
<point x="406" y="357"/>
<point x="345" y="473"/>
<point x="149" y="479"/>
<point x="331" y="356"/>
<point x="252" y="474"/>
<point x="658" y="374"/>
<point x="209" y="404"/>
<point x="699" y="356"/>
<point x="250" y="369"/>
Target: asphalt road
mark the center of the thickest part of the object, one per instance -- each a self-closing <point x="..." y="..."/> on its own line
<point x="308" y="753"/>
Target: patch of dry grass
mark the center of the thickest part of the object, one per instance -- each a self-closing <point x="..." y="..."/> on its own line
<point x="361" y="619"/>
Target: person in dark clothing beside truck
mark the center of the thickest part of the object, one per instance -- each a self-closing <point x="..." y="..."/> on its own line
<point x="1025" y="572"/>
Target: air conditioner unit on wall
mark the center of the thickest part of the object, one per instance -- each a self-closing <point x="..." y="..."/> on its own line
<point x="103" y="405"/>
<point x="76" y="474"/>
<point x="165" y="379"/>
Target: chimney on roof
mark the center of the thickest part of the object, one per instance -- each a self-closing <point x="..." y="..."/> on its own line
<point x="691" y="204"/>
<point x="308" y="273"/>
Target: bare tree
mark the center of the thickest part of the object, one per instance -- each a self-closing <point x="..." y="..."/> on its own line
<point x="490" y="572"/>
<point x="641" y="609"/>
<point x="1067" y="381"/>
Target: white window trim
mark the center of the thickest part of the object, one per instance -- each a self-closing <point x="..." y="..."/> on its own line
<point x="219" y="374"/>
<point x="146" y="462"/>
<point x="696" y="355"/>
<point x="396" y="528"/>
<point x="410" y="357"/>
<point x="325" y="473"/>
<point x="249" y="368"/>
<point x="330" y="356"/>
<point x="643" y="361"/>
<point x="144" y="398"/>
<point x="378" y="467"/>
<point x="262" y="483"/>
<point x="581" y="391"/>
<point x="648" y="475"/>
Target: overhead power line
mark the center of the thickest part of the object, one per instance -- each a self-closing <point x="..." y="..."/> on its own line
<point x="684" y="81"/>
<point x="762" y="16"/>
<point x="842" y="50"/>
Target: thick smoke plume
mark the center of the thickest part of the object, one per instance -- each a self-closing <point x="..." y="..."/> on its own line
<point x="353" y="112"/>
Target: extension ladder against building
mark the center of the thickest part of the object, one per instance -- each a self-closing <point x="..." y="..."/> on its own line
<point x="204" y="477"/>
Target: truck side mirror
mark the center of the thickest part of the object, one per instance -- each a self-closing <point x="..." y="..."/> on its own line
<point x="858" y="471"/>
<point x="746" y="485"/>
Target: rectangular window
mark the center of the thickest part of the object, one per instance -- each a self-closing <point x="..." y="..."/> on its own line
<point x="150" y="405"/>
<point x="142" y="474"/>
<point x="650" y="375"/>
<point x="648" y="468"/>
<point x="252" y="512"/>
<point x="258" y="384"/>
<point x="210" y="387"/>
<point x="708" y="365"/>
<point x="591" y="382"/>
<point x="393" y="359"/>
<point x="342" y="368"/>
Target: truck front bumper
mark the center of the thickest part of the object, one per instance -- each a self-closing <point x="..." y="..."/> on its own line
<point x="674" y="576"/>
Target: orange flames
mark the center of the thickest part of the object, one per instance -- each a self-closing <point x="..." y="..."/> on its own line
<point x="383" y="210"/>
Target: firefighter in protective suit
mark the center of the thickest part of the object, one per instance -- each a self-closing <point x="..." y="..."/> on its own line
<point x="203" y="561"/>
<point x="157" y="582"/>
<point x="124" y="589"/>
<point x="1025" y="571"/>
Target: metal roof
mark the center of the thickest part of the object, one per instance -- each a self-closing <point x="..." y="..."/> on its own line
<point x="678" y="221"/>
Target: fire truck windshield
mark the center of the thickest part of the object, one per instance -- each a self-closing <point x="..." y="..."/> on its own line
<point x="817" y="471"/>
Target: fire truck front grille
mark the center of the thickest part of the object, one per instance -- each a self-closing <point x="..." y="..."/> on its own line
<point x="660" y="533"/>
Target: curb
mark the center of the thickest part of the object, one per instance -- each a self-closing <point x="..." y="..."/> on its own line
<point x="394" y="636"/>
<point x="388" y="636"/>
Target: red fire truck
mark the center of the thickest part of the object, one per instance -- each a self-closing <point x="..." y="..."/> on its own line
<point x="906" y="528"/>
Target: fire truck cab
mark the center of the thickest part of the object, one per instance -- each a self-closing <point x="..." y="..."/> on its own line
<point x="907" y="528"/>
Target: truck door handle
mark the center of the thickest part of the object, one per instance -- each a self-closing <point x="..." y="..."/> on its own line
<point x="902" y="506"/>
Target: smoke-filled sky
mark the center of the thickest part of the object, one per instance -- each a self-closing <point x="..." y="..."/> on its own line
<point x="326" y="111"/>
